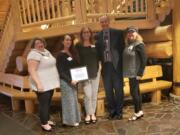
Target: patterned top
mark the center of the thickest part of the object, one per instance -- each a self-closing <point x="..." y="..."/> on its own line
<point x="134" y="59"/>
<point x="47" y="71"/>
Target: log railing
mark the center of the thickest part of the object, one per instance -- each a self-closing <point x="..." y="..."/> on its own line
<point x="72" y="12"/>
<point x="38" y="12"/>
<point x="116" y="9"/>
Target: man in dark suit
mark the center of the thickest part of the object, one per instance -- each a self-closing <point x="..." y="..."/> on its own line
<point x="110" y="44"/>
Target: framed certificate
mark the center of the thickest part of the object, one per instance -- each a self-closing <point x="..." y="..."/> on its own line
<point x="79" y="74"/>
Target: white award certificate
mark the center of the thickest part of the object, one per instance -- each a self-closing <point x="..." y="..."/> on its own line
<point x="79" y="74"/>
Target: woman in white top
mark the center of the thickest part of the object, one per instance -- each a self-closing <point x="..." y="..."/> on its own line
<point x="43" y="78"/>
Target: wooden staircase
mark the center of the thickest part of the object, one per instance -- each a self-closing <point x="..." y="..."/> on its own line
<point x="27" y="17"/>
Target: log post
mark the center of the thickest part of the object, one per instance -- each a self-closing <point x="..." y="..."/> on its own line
<point x="156" y="97"/>
<point x="15" y="104"/>
<point x="29" y="105"/>
<point x="176" y="47"/>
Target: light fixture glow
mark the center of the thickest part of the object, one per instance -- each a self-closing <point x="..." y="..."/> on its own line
<point x="44" y="26"/>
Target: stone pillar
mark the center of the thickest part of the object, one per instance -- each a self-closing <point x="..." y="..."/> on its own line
<point x="176" y="47"/>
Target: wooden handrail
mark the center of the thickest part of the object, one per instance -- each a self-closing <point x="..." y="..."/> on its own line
<point x="7" y="41"/>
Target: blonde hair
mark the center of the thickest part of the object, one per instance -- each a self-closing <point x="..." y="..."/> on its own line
<point x="139" y="38"/>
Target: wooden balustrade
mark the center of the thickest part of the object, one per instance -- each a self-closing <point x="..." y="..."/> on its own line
<point x="37" y="12"/>
<point x="69" y="12"/>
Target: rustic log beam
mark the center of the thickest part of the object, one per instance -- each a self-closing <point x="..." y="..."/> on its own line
<point x="159" y="50"/>
<point x="159" y="34"/>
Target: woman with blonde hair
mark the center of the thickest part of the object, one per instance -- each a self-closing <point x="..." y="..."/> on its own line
<point x="134" y="62"/>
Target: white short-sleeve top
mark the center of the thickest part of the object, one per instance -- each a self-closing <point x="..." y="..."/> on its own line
<point x="47" y="71"/>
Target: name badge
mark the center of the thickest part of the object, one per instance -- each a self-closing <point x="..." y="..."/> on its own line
<point x="130" y="48"/>
<point x="93" y="46"/>
<point x="69" y="59"/>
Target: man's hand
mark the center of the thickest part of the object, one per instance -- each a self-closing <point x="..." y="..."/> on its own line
<point x="138" y="77"/>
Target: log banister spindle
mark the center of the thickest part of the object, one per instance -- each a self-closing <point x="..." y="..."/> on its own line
<point x="53" y="9"/>
<point x="38" y="10"/>
<point x="28" y="11"/>
<point x="33" y="10"/>
<point x="48" y="10"/>
<point x="42" y="9"/>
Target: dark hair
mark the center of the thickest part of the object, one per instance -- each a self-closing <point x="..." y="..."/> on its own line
<point x="81" y="35"/>
<point x="72" y="49"/>
<point x="32" y="41"/>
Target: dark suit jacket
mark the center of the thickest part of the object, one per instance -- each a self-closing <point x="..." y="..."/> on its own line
<point x="116" y="45"/>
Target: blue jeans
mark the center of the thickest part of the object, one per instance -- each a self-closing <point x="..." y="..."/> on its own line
<point x="113" y="84"/>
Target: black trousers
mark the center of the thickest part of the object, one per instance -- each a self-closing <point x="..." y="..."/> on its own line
<point x="44" y="99"/>
<point x="134" y="90"/>
<point x="113" y="84"/>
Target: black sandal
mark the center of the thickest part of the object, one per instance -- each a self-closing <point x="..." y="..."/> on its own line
<point x="87" y="121"/>
<point x="94" y="121"/>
